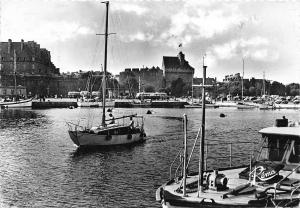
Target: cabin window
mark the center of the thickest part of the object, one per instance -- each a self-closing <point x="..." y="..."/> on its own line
<point x="295" y="154"/>
<point x="277" y="148"/>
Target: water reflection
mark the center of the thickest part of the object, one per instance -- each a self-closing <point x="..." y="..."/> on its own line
<point x="91" y="150"/>
<point x="10" y="118"/>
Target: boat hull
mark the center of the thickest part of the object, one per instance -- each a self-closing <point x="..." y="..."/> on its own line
<point x="87" y="139"/>
<point x="170" y="198"/>
<point x="184" y="204"/>
<point x="89" y="104"/>
<point x="17" y="104"/>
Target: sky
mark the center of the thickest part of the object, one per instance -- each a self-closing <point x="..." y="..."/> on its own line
<point x="265" y="33"/>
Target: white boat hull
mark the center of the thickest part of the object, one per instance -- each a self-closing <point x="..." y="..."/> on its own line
<point x="89" y="104"/>
<point x="87" y="139"/>
<point x="17" y="104"/>
<point x="95" y="104"/>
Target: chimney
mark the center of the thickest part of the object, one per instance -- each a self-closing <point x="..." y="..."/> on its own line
<point x="22" y="44"/>
<point x="9" y="45"/>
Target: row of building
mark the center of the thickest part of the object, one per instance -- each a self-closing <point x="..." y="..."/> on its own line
<point x="26" y="69"/>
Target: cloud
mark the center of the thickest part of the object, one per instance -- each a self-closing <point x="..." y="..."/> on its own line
<point x="33" y="20"/>
<point x="139" y="36"/>
<point x="48" y="32"/>
<point x="256" y="48"/>
<point x="128" y="7"/>
<point x="202" y="21"/>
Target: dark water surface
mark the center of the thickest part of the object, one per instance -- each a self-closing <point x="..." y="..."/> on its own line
<point x="40" y="166"/>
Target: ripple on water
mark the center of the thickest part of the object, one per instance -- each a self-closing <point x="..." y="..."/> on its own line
<point x="40" y="166"/>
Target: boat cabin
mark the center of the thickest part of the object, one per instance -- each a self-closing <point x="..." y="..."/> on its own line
<point x="281" y="145"/>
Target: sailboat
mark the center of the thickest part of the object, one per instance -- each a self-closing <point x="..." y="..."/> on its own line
<point x="122" y="130"/>
<point x="271" y="180"/>
<point x="16" y="102"/>
<point x="242" y="104"/>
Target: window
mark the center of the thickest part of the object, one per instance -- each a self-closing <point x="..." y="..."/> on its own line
<point x="295" y="154"/>
<point x="277" y="147"/>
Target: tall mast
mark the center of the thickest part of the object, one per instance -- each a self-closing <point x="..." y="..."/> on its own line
<point x="139" y="83"/>
<point x="105" y="65"/>
<point x="264" y="84"/>
<point x="15" y="72"/>
<point x="192" y="90"/>
<point x="243" y="81"/>
<point x="201" y="157"/>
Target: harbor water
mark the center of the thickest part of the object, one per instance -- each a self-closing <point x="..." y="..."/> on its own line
<point x="41" y="167"/>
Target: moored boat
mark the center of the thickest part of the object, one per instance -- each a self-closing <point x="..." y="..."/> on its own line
<point x="243" y="105"/>
<point x="140" y="104"/>
<point x="272" y="179"/>
<point x="89" y="104"/>
<point x="113" y="131"/>
<point x="17" y="104"/>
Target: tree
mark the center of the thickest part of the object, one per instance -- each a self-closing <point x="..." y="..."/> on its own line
<point x="132" y="85"/>
<point x="162" y="90"/>
<point x="277" y="88"/>
<point x="234" y="90"/>
<point x="293" y="89"/>
<point x="252" y="91"/>
<point x="149" y="88"/>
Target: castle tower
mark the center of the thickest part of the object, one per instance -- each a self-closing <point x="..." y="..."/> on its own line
<point x="175" y="67"/>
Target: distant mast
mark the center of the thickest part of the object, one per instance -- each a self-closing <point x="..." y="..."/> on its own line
<point x="243" y="80"/>
<point x="15" y="72"/>
<point x="264" y="84"/>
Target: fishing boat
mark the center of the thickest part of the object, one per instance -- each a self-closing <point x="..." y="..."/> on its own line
<point x="140" y="104"/>
<point x="113" y="131"/>
<point x="16" y="102"/>
<point x="243" y="105"/>
<point x="267" y="106"/>
<point x="272" y="179"/>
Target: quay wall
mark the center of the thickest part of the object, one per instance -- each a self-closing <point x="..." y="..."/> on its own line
<point x="154" y="104"/>
<point x="53" y="104"/>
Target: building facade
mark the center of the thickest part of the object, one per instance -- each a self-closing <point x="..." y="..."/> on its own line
<point x="232" y="78"/>
<point x="31" y="67"/>
<point x="135" y="80"/>
<point x="177" y="67"/>
<point x="139" y="79"/>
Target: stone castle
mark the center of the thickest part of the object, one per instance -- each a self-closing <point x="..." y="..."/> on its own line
<point x="177" y="67"/>
<point x="173" y="67"/>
